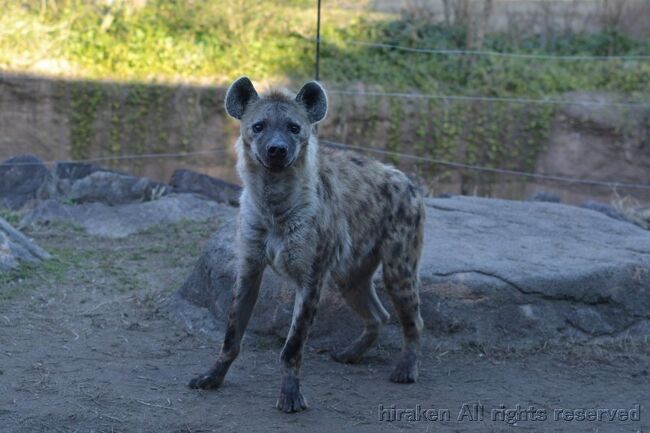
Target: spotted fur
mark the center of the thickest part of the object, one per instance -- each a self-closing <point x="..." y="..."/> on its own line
<point x="324" y="218"/>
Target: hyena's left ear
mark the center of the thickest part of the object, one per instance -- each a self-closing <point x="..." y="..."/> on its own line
<point x="313" y="97"/>
<point x="240" y="94"/>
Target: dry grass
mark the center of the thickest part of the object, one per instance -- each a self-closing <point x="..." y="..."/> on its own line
<point x="633" y="211"/>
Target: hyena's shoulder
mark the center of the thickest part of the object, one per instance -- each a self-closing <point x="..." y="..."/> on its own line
<point x="363" y="186"/>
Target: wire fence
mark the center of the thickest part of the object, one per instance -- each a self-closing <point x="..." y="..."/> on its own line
<point x="447" y="52"/>
<point x="343" y="146"/>
<point x="545" y="101"/>
<point x="125" y="157"/>
<point x="540" y="176"/>
<point x="593" y="101"/>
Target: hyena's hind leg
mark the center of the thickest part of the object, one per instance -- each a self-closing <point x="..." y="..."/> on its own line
<point x="400" y="259"/>
<point x="363" y="300"/>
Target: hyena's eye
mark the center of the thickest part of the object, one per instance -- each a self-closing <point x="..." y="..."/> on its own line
<point x="258" y="127"/>
<point x="294" y="129"/>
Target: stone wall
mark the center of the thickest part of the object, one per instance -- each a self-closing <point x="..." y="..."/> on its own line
<point x="61" y="119"/>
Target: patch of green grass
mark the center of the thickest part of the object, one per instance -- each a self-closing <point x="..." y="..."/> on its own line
<point x="51" y="271"/>
<point x="11" y="217"/>
<point x="70" y="256"/>
<point x="156" y="248"/>
<point x="194" y="250"/>
<point x="183" y="228"/>
<point x="195" y="228"/>
<point x="66" y="226"/>
<point x="15" y="275"/>
<point x="29" y="274"/>
<point x="137" y="256"/>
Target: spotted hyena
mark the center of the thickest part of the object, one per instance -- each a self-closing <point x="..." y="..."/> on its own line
<point x="319" y="218"/>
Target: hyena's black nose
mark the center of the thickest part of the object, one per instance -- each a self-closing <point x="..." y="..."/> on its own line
<point x="277" y="151"/>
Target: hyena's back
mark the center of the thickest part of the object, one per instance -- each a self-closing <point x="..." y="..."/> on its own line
<point x="382" y="215"/>
<point x="378" y="204"/>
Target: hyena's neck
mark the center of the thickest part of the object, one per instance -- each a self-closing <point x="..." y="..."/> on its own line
<point x="284" y="197"/>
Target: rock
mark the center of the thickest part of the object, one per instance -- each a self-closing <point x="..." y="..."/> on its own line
<point x="603" y="208"/>
<point x="114" y="188"/>
<point x="123" y="220"/>
<point x="494" y="272"/>
<point x="67" y="173"/>
<point x="76" y="170"/>
<point x="545" y="196"/>
<point x="22" y="178"/>
<point x="16" y="248"/>
<point x="215" y="189"/>
<point x="48" y="212"/>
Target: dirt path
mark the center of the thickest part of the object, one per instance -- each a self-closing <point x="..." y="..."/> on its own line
<point x="85" y="346"/>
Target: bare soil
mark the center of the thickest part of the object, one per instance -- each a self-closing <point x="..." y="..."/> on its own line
<point x="86" y="345"/>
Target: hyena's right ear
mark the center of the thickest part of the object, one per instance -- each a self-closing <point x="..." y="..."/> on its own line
<point x="240" y="94"/>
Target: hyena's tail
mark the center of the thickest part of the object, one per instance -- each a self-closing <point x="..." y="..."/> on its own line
<point x="377" y="308"/>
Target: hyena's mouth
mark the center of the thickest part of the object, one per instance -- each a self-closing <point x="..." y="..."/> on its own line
<point x="275" y="168"/>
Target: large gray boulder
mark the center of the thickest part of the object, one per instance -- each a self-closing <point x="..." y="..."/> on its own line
<point x="103" y="220"/>
<point x="16" y="248"/>
<point x="183" y="180"/>
<point x="113" y="188"/>
<point x="494" y="272"/>
<point x="22" y="178"/>
<point x="66" y="173"/>
<point x="504" y="272"/>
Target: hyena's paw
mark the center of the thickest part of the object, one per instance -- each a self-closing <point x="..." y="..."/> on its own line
<point x="291" y="399"/>
<point x="406" y="370"/>
<point x="208" y="380"/>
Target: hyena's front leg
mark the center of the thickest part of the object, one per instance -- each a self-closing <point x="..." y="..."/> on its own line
<point x="247" y="288"/>
<point x="304" y="311"/>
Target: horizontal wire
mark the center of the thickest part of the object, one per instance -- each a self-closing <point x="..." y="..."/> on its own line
<point x="216" y="151"/>
<point x="490" y="99"/>
<point x="493" y="53"/>
<point x="344" y="146"/>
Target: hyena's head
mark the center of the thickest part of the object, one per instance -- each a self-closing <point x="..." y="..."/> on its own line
<point x="275" y="128"/>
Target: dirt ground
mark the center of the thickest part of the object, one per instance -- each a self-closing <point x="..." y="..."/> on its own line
<point x="86" y="345"/>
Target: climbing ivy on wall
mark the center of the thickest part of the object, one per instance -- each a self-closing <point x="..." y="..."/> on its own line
<point x="114" y="119"/>
<point x="84" y="102"/>
<point x="489" y="134"/>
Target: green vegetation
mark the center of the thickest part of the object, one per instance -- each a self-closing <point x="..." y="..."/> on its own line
<point x="52" y="270"/>
<point x="213" y="41"/>
<point x="11" y="217"/>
